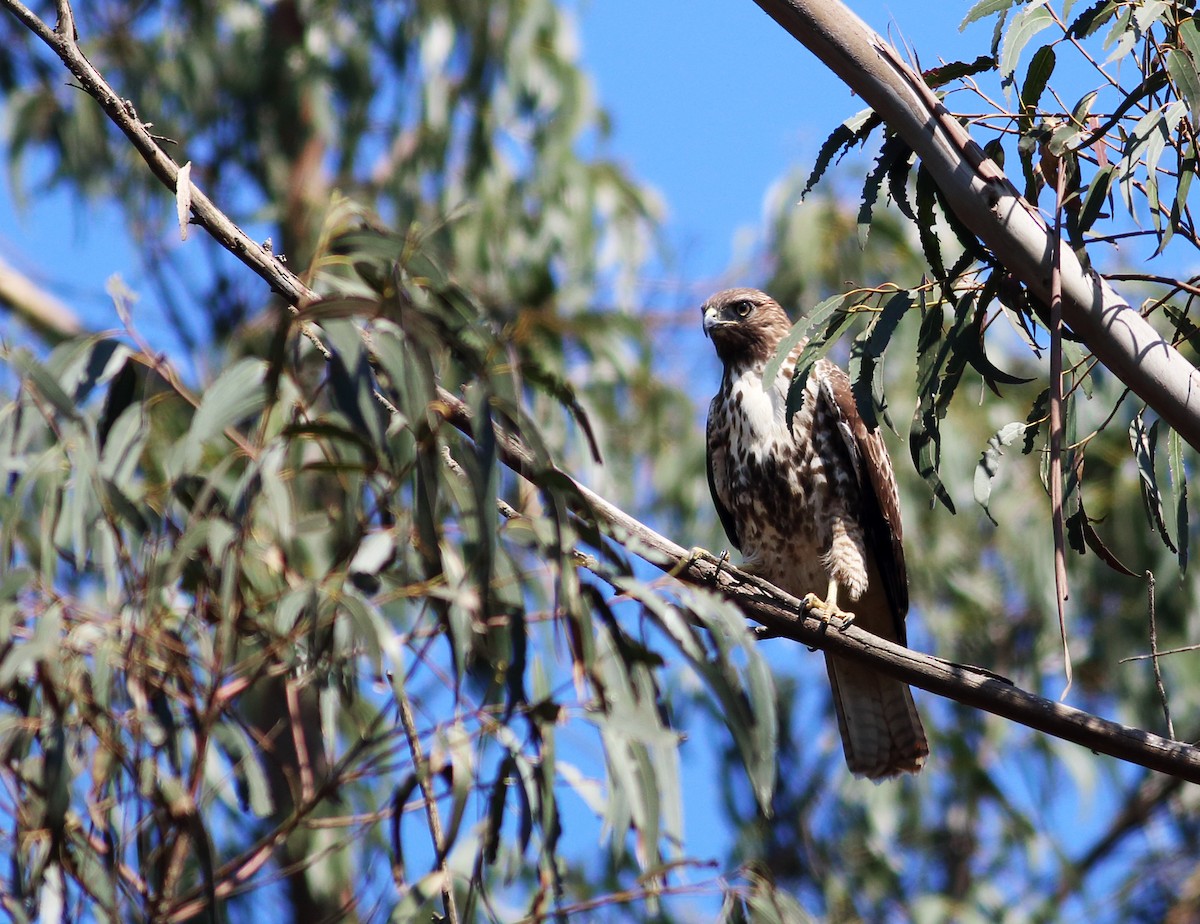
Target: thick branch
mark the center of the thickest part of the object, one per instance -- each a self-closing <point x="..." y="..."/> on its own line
<point x="37" y="307"/>
<point x="781" y="613"/>
<point x="991" y="207"/>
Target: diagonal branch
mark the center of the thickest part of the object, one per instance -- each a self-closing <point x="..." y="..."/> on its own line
<point x="785" y="616"/>
<point x="779" y="612"/>
<point x="991" y="207"/>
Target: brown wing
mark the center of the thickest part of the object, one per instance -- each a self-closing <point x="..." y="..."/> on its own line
<point x="717" y="456"/>
<point x="880" y="511"/>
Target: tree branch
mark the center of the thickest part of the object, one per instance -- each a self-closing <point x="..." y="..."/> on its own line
<point x="991" y="207"/>
<point x="780" y="612"/>
<point x="785" y="616"/>
<point x="37" y="307"/>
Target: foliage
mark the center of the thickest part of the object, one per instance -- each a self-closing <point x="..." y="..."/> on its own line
<point x="275" y="629"/>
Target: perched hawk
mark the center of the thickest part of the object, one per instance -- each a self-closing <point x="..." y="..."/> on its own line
<point x="813" y="508"/>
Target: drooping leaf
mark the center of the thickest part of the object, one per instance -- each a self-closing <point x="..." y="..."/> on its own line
<point x="812" y="320"/>
<point x="989" y="463"/>
<point x="1186" y="330"/>
<point x="235" y="395"/>
<point x="748" y="702"/>
<point x="851" y="132"/>
<point x="814" y="351"/>
<point x="1179" y="493"/>
<point x="1041" y="66"/>
<point x="868" y="348"/>
<point x="1183" y="73"/>
<point x="897" y="178"/>
<point x="924" y="439"/>
<point x="931" y="247"/>
<point x="1094" y="198"/>
<point x="35" y="375"/>
<point x="971" y="345"/>
<point x="1144" y="441"/>
<point x="894" y="150"/>
<point x="1037" y="420"/>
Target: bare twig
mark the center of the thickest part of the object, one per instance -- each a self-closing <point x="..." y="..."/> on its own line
<point x="1158" y="680"/>
<point x="1056" y="423"/>
<point x="432" y="815"/>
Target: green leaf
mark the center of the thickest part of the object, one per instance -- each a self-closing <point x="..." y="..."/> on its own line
<point x="1189" y="35"/>
<point x="1091" y="19"/>
<point x="989" y="463"/>
<point x="984" y="8"/>
<point x="936" y="381"/>
<point x="253" y="788"/>
<point x="931" y="246"/>
<point x="1179" y="492"/>
<point x="1144" y="441"/>
<point x="352" y="384"/>
<point x="237" y="394"/>
<point x="457" y="757"/>
<point x="897" y="176"/>
<point x="955" y="70"/>
<point x="35" y="375"/>
<point x="1031" y="20"/>
<point x="1182" y="69"/>
<point x="1040" y="68"/>
<point x="813" y="352"/>
<point x="1095" y="197"/>
<point x="867" y="349"/>
<point x="853" y="131"/>
<point x="420" y="901"/>
<point x="494" y="820"/>
<point x="894" y="150"/>
<point x="813" y="319"/>
<point x="747" y="703"/>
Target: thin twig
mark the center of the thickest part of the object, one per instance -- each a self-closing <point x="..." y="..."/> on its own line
<point x="1158" y="680"/>
<point x="1056" y="422"/>
<point x="425" y="781"/>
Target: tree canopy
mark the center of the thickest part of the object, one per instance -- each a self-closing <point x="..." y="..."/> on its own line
<point x="364" y="590"/>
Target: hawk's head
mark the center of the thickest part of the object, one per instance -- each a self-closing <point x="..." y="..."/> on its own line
<point x="745" y="325"/>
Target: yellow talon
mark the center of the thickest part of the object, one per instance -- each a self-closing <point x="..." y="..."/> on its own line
<point x="699" y="554"/>
<point x="827" y="610"/>
<point x="695" y="555"/>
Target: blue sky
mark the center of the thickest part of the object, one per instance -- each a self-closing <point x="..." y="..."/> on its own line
<point x="712" y="102"/>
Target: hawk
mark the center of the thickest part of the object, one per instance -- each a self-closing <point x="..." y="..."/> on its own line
<point x="812" y="507"/>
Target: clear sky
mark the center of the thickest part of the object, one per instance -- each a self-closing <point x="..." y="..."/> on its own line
<point x="712" y="102"/>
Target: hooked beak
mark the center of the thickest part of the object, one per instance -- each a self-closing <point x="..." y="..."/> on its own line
<point x="712" y="320"/>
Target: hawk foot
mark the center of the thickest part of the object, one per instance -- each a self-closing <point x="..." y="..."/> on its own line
<point x="828" y="613"/>
<point x="698" y="554"/>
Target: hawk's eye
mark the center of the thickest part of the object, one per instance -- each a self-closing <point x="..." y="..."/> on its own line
<point x="743" y="308"/>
